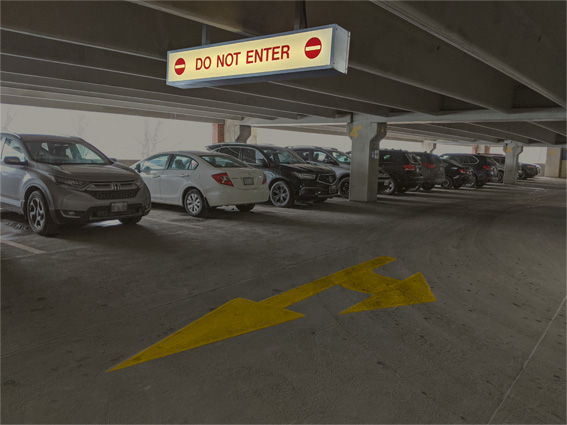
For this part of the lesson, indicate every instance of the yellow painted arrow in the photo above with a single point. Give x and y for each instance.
(240, 316)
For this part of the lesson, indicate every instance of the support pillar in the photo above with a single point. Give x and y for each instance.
(480, 149)
(553, 162)
(512, 151)
(428, 146)
(231, 132)
(365, 137)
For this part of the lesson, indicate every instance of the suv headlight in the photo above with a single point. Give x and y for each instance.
(139, 182)
(303, 176)
(70, 183)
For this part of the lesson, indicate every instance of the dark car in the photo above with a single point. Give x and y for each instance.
(485, 169)
(527, 171)
(403, 168)
(333, 158)
(289, 176)
(456, 175)
(432, 169)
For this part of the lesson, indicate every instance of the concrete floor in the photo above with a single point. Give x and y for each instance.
(491, 349)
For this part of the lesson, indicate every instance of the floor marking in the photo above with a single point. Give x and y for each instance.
(27, 248)
(240, 316)
(193, 226)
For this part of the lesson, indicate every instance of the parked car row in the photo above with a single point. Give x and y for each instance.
(55, 180)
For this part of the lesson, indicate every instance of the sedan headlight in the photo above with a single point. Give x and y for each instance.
(303, 176)
(70, 183)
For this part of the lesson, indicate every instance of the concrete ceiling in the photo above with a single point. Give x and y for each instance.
(471, 72)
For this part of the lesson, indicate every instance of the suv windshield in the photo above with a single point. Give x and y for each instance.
(342, 157)
(67, 152)
(282, 156)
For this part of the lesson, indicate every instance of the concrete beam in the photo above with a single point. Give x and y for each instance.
(516, 38)
(526, 129)
(558, 127)
(480, 132)
(428, 130)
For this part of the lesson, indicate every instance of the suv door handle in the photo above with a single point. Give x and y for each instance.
(184, 175)
(156, 177)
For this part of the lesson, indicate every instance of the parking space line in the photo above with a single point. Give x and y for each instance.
(24, 247)
(193, 226)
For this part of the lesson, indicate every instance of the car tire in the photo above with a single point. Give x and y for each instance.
(131, 220)
(281, 194)
(521, 175)
(473, 182)
(457, 185)
(344, 188)
(402, 189)
(195, 203)
(448, 183)
(245, 207)
(39, 216)
(389, 189)
(427, 186)
(500, 178)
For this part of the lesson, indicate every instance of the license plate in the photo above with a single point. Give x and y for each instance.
(248, 180)
(333, 189)
(118, 206)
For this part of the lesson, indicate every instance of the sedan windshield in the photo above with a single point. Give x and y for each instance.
(282, 156)
(67, 152)
(224, 161)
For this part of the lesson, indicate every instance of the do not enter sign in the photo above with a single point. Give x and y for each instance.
(313, 48)
(179, 66)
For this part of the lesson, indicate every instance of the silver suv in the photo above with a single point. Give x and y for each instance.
(55, 180)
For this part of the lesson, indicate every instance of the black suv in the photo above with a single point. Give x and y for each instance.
(289, 176)
(456, 175)
(404, 170)
(484, 168)
(432, 169)
(329, 157)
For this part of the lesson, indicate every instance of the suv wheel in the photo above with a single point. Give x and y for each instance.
(281, 194)
(500, 178)
(344, 188)
(389, 188)
(473, 181)
(38, 215)
(447, 183)
(427, 186)
(194, 203)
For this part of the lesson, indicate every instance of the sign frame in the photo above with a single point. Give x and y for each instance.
(338, 64)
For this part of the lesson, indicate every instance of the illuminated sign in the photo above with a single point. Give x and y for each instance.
(297, 54)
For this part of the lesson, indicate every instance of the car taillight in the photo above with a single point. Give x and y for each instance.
(409, 167)
(265, 179)
(462, 170)
(430, 166)
(222, 178)
(487, 167)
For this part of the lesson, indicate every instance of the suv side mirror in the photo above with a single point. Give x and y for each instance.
(137, 168)
(14, 160)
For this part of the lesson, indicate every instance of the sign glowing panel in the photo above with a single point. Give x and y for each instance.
(298, 54)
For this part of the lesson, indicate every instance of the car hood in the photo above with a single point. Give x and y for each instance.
(307, 168)
(92, 172)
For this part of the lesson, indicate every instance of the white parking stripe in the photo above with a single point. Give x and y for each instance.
(20, 246)
(193, 226)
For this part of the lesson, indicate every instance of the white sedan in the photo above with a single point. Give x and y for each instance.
(201, 180)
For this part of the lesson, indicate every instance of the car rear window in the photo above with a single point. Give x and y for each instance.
(224, 161)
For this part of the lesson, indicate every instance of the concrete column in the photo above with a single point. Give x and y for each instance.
(365, 137)
(553, 162)
(230, 132)
(428, 146)
(480, 149)
(512, 151)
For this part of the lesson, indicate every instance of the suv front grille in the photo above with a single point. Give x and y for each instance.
(326, 178)
(107, 191)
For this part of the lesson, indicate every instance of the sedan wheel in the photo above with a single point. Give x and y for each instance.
(38, 214)
(281, 195)
(194, 203)
(245, 207)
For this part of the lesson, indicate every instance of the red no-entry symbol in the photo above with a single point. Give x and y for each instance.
(179, 66)
(313, 48)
